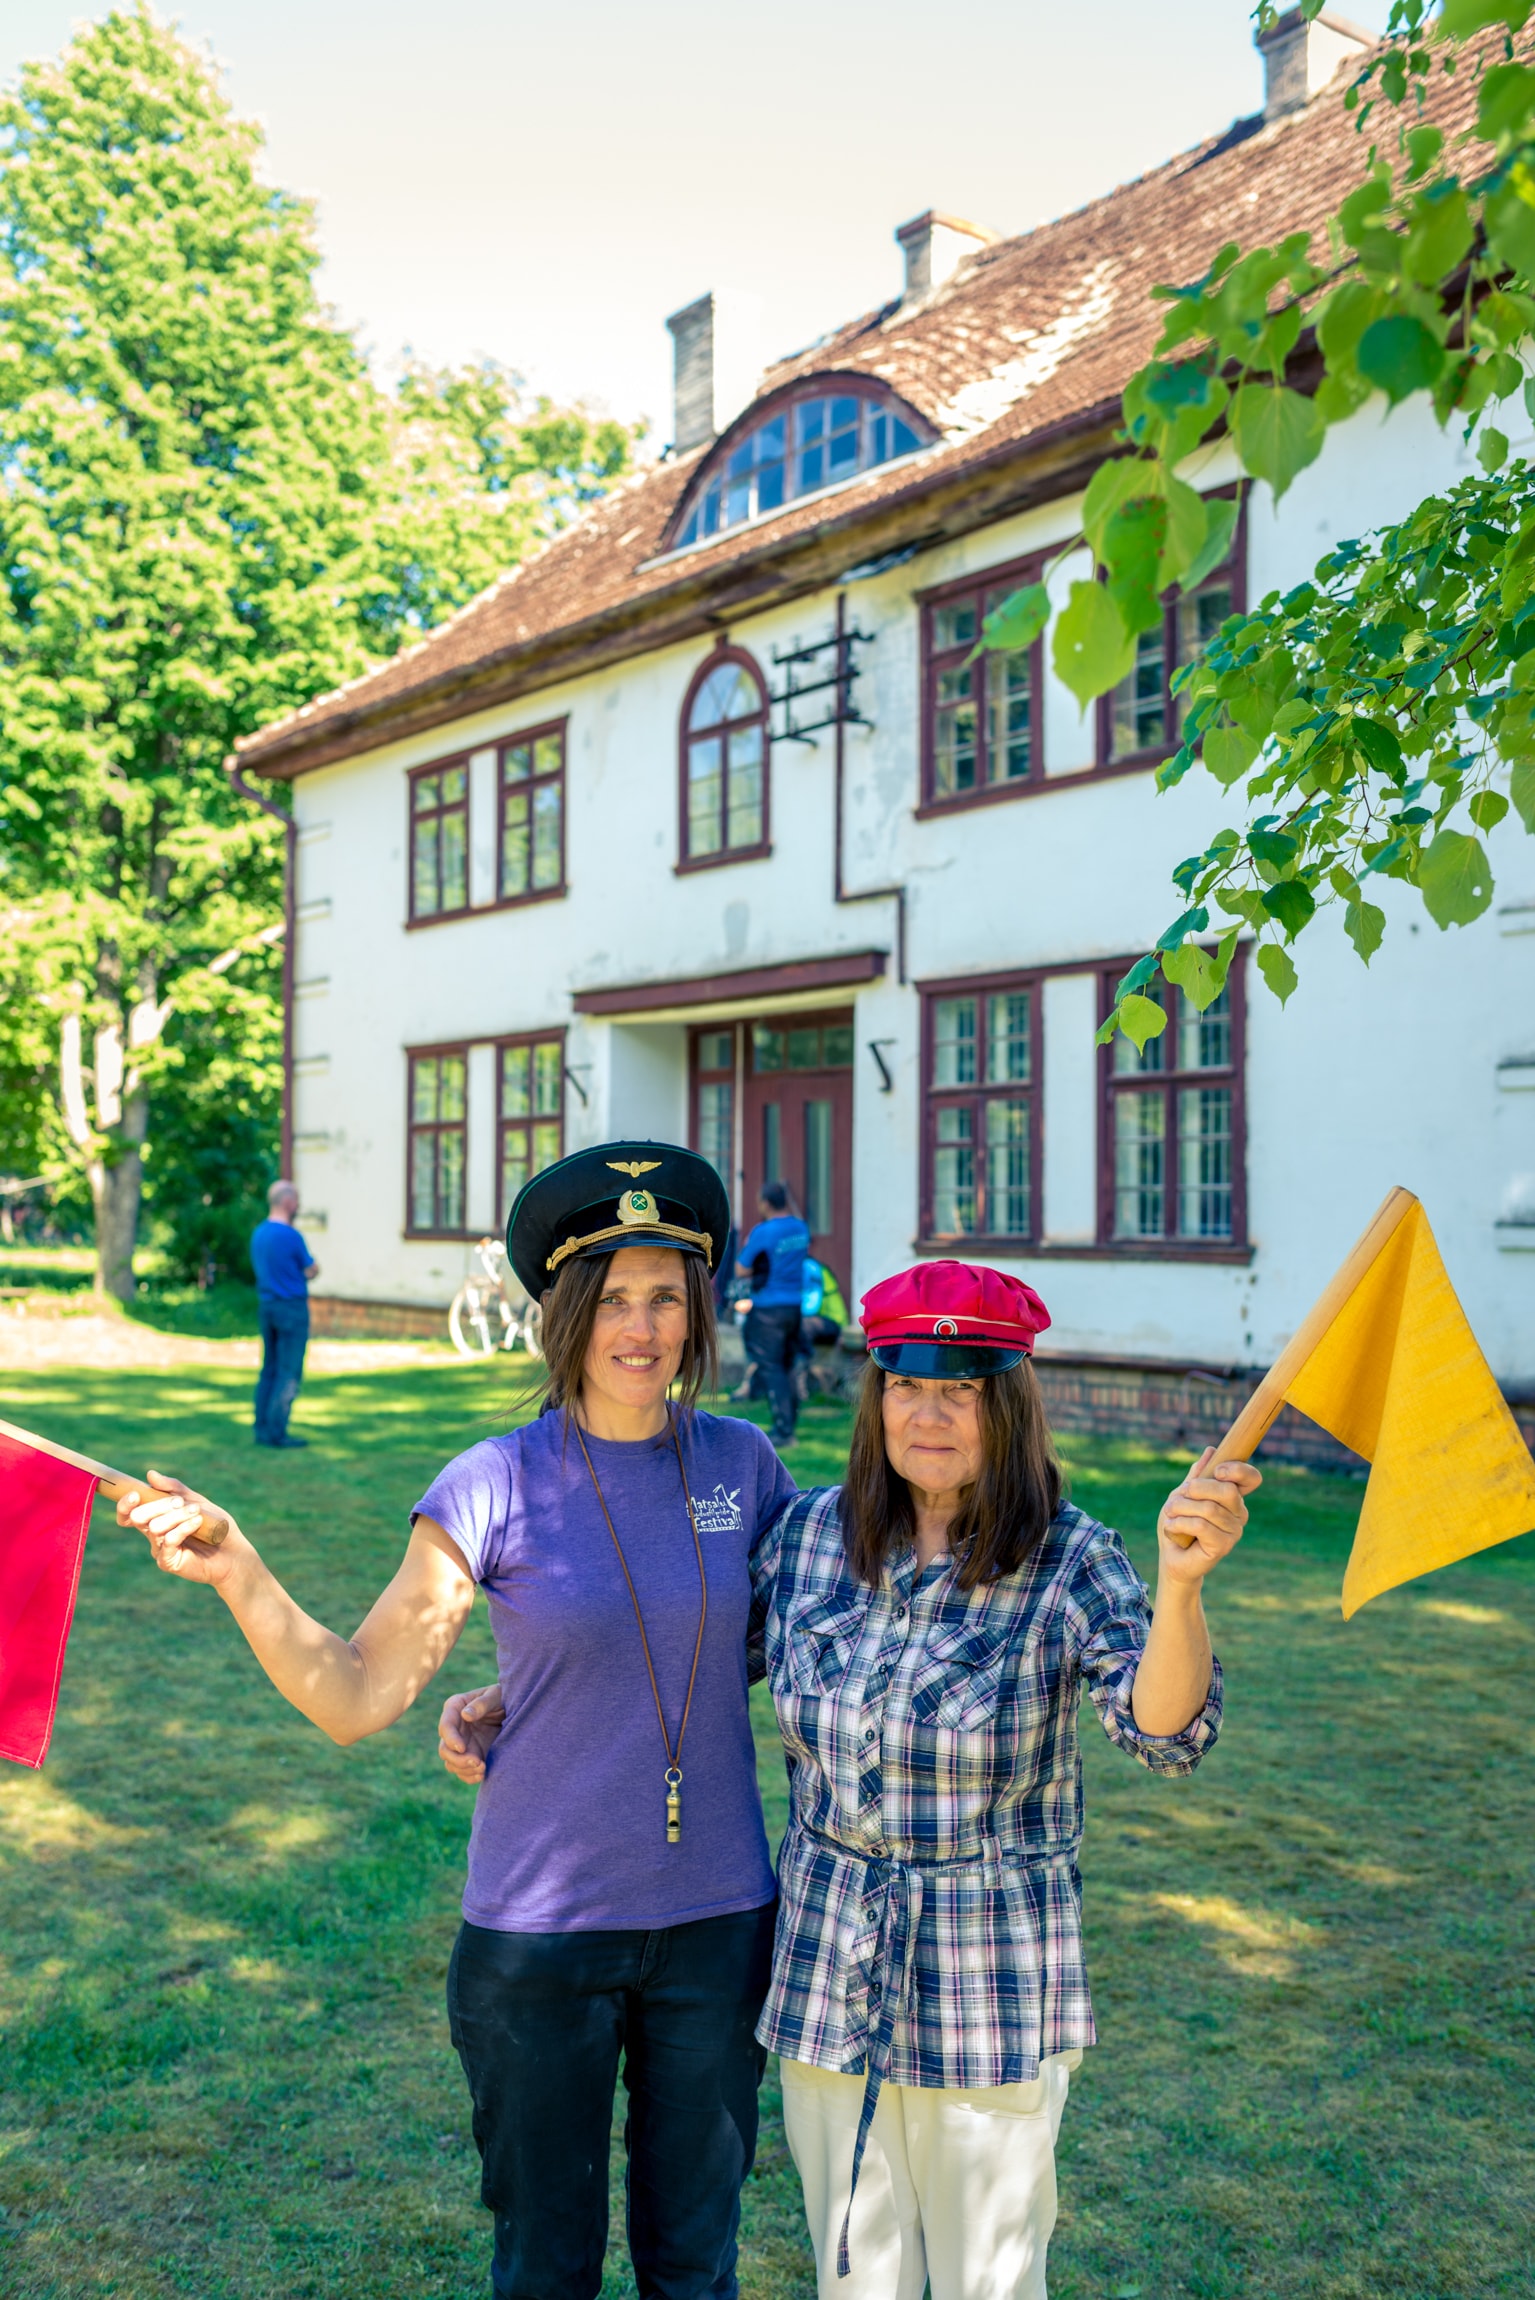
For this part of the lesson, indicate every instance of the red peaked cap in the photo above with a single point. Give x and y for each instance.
(928, 1318)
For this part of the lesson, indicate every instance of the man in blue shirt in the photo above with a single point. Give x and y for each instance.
(773, 1257)
(283, 1268)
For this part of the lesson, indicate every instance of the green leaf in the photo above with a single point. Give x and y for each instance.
(1487, 809)
(1505, 100)
(1132, 555)
(1491, 449)
(1511, 229)
(1278, 970)
(1221, 513)
(1521, 789)
(1361, 210)
(1141, 1019)
(1379, 745)
(1424, 146)
(1017, 623)
(1195, 972)
(1092, 650)
(1454, 879)
(1364, 923)
(1111, 485)
(1344, 317)
(1458, 19)
(1277, 432)
(1186, 534)
(1292, 902)
(1192, 922)
(1439, 234)
(1274, 847)
(1400, 356)
(1228, 752)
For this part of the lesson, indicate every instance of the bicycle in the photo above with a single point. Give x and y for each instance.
(493, 1312)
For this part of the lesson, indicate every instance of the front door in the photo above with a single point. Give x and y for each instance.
(798, 1125)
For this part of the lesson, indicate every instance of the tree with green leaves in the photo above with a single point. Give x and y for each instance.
(1380, 717)
(209, 513)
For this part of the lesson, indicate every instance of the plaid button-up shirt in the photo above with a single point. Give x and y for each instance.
(929, 1927)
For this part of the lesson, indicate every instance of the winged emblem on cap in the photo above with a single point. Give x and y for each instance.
(634, 1167)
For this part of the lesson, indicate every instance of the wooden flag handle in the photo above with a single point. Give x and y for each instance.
(114, 1483)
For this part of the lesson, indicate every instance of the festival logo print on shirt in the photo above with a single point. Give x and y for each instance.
(721, 1513)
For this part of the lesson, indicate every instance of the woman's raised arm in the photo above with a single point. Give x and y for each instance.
(348, 1687)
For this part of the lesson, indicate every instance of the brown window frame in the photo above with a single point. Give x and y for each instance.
(687, 736)
(415, 917)
(712, 475)
(1170, 1245)
(1135, 762)
(935, 1097)
(1012, 575)
(531, 1039)
(732, 1075)
(434, 1127)
(531, 783)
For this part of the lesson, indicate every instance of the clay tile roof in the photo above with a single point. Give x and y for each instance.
(1028, 344)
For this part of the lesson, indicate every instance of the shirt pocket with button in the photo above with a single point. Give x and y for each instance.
(960, 1678)
(820, 1637)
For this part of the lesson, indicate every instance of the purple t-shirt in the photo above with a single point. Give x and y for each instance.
(570, 1822)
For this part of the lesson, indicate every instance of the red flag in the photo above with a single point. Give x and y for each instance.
(45, 1507)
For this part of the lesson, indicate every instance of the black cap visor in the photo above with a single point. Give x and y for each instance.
(946, 1361)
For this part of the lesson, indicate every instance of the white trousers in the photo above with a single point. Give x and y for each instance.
(957, 2189)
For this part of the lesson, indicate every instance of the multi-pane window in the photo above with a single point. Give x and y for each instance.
(439, 840)
(1173, 1144)
(982, 1061)
(437, 1141)
(724, 762)
(714, 1120)
(530, 1104)
(1142, 714)
(806, 444)
(533, 814)
(982, 718)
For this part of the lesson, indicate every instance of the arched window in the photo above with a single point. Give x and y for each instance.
(725, 761)
(823, 431)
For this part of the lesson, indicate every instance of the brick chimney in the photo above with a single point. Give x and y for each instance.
(1299, 58)
(933, 245)
(716, 362)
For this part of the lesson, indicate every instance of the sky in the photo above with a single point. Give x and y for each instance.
(543, 185)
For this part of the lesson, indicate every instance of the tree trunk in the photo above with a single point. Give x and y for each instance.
(115, 1191)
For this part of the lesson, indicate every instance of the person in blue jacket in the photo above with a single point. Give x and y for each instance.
(773, 1257)
(284, 1266)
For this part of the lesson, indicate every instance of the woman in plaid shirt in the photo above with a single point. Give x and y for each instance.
(927, 1628)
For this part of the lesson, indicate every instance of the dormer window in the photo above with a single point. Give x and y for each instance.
(813, 438)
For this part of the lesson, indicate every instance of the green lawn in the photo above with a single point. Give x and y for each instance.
(224, 2068)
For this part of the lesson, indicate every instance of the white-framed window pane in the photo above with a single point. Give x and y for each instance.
(1140, 1161)
(1204, 1040)
(954, 1050)
(1007, 1168)
(744, 792)
(1010, 732)
(517, 762)
(1008, 1049)
(956, 625)
(548, 802)
(705, 782)
(1138, 711)
(515, 852)
(954, 1171)
(1204, 1162)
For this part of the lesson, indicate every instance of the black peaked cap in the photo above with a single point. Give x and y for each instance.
(618, 1194)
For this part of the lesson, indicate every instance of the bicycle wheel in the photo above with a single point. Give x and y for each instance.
(469, 1321)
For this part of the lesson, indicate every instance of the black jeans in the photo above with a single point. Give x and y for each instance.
(771, 1337)
(284, 1339)
(539, 2021)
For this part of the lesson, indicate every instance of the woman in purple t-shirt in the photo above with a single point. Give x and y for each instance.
(619, 1901)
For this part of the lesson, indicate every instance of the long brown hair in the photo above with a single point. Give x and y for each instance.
(570, 1312)
(1004, 1516)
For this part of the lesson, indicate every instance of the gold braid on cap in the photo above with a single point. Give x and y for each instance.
(634, 1232)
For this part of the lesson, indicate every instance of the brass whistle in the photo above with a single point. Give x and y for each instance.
(673, 1807)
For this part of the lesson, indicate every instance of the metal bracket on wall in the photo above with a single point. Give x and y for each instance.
(570, 1073)
(834, 678)
(881, 1065)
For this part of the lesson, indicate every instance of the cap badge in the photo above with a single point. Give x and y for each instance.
(945, 1329)
(634, 1167)
(637, 1205)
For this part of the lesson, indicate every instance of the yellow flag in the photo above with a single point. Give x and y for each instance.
(1397, 1375)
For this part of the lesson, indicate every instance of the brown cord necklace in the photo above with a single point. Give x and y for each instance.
(673, 1756)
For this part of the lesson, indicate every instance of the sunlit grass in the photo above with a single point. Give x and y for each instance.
(224, 2068)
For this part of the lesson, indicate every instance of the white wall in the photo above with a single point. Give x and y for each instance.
(1365, 1079)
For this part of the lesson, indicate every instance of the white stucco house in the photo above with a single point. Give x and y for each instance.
(702, 825)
